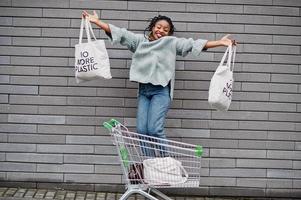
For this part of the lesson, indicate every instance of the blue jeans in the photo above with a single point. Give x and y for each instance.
(153, 105)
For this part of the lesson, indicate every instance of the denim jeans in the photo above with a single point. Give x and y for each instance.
(153, 105)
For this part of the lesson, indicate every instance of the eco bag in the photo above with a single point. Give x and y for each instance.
(221, 84)
(91, 58)
(164, 171)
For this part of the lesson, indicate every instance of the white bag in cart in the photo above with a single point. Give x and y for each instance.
(91, 58)
(221, 84)
(164, 171)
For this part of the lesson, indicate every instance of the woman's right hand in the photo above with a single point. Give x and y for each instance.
(92, 18)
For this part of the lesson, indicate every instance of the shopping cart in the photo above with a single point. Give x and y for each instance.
(149, 163)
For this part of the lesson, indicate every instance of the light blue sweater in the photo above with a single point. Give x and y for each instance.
(154, 61)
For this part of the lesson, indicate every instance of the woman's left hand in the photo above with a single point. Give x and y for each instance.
(225, 41)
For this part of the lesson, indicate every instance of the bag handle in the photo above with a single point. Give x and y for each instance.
(230, 52)
(85, 24)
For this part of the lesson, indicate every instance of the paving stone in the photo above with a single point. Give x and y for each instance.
(91, 196)
(100, 196)
(10, 192)
(30, 193)
(40, 194)
(20, 193)
(60, 195)
(50, 194)
(111, 196)
(2, 191)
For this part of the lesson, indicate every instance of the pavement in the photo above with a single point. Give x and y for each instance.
(11, 193)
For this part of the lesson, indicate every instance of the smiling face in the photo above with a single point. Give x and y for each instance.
(161, 29)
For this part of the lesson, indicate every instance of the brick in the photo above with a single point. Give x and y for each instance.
(21, 12)
(279, 183)
(221, 163)
(8, 147)
(244, 19)
(113, 92)
(237, 153)
(291, 98)
(38, 80)
(213, 143)
(6, 21)
(270, 68)
(286, 39)
(191, 114)
(249, 144)
(238, 134)
(286, 78)
(44, 148)
(156, 6)
(67, 91)
(57, 71)
(251, 182)
(280, 30)
(217, 181)
(189, 133)
(296, 183)
(62, 32)
(37, 100)
(256, 2)
(236, 115)
(16, 31)
(3, 98)
(291, 117)
(5, 3)
(287, 59)
(66, 130)
(35, 138)
(4, 108)
(4, 118)
(22, 51)
(273, 49)
(195, 124)
(238, 172)
(5, 40)
(276, 135)
(41, 22)
(100, 140)
(268, 106)
(34, 157)
(215, 8)
(40, 3)
(117, 83)
(294, 21)
(260, 163)
(18, 128)
(195, 104)
(34, 61)
(60, 52)
(2, 156)
(39, 119)
(92, 178)
(4, 79)
(40, 41)
(119, 5)
(65, 168)
(287, 3)
(4, 59)
(252, 125)
(192, 17)
(40, 177)
(66, 110)
(96, 101)
(10, 167)
(282, 173)
(108, 169)
(77, 120)
(220, 28)
(262, 58)
(286, 155)
(280, 145)
(19, 89)
(271, 10)
(19, 70)
(92, 159)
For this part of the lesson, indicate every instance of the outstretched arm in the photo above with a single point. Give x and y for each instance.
(225, 41)
(95, 20)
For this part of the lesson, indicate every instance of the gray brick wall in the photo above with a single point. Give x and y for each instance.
(50, 134)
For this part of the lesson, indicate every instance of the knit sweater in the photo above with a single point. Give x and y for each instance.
(154, 61)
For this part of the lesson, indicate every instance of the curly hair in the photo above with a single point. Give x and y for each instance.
(155, 19)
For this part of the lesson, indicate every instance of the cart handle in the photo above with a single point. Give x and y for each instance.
(198, 150)
(110, 124)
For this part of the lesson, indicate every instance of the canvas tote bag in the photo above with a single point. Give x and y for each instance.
(91, 58)
(221, 84)
(164, 171)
